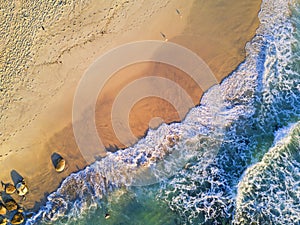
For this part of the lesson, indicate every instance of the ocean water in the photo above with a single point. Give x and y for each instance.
(236, 156)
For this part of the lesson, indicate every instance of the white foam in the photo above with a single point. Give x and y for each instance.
(200, 135)
(250, 93)
(271, 187)
(281, 135)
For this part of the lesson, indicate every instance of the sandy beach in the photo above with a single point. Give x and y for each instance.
(42, 62)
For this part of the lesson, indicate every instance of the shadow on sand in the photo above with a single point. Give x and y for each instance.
(16, 177)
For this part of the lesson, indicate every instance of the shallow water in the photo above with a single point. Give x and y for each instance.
(235, 160)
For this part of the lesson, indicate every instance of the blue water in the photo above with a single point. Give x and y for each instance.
(236, 158)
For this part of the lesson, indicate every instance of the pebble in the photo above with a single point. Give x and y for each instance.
(17, 218)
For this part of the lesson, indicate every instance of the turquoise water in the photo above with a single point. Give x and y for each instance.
(237, 160)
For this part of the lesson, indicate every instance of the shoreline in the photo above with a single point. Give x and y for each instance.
(61, 138)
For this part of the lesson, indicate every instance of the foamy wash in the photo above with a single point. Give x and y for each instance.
(240, 150)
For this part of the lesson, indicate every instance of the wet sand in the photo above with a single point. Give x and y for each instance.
(37, 105)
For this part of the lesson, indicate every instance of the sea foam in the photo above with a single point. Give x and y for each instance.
(217, 141)
(261, 96)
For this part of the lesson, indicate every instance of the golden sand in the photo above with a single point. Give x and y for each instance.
(43, 61)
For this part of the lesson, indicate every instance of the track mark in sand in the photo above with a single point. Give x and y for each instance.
(42, 25)
(11, 151)
(20, 24)
(72, 27)
(3, 156)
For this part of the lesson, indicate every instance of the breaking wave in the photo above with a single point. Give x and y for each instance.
(198, 164)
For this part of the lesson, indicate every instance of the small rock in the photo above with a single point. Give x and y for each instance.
(8, 188)
(58, 162)
(107, 216)
(3, 220)
(11, 205)
(60, 166)
(171, 142)
(2, 209)
(18, 218)
(22, 189)
(176, 137)
(20, 210)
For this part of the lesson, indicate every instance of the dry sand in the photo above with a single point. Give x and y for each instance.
(46, 49)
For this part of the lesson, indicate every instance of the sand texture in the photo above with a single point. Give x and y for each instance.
(46, 48)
